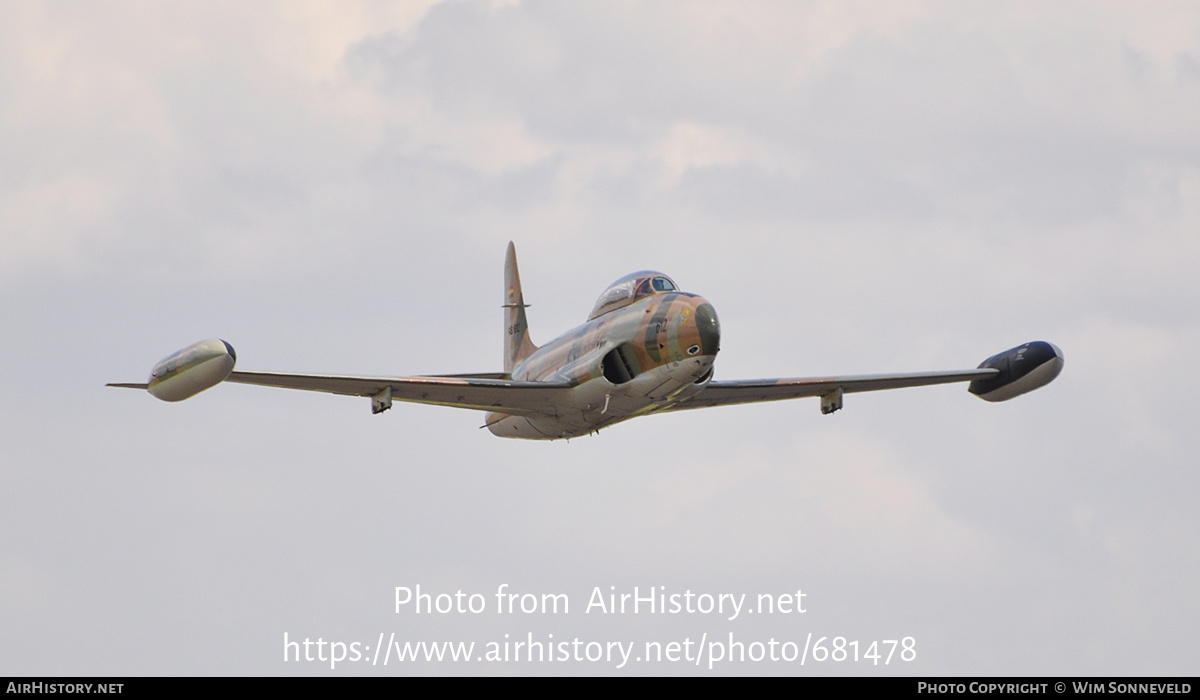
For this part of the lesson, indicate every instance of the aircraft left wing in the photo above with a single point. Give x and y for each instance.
(999, 378)
(830, 389)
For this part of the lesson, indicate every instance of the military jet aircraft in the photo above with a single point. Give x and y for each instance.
(647, 347)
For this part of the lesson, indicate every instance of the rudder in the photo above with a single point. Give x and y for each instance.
(517, 345)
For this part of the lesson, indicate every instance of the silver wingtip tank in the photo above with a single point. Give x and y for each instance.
(192, 370)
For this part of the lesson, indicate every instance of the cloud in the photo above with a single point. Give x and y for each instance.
(856, 187)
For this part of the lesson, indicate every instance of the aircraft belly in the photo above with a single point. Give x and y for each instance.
(599, 403)
(664, 383)
(507, 426)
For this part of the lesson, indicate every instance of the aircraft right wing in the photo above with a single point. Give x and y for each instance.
(480, 392)
(210, 362)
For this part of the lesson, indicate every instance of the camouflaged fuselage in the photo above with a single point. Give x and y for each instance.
(633, 360)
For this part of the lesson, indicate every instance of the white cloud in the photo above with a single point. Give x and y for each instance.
(856, 186)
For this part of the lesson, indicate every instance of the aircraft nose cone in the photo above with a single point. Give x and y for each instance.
(709, 327)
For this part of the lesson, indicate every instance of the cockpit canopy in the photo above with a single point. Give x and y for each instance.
(629, 289)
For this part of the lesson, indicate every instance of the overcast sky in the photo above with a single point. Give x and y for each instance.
(857, 187)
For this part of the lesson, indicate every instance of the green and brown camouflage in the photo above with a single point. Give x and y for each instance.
(643, 340)
(653, 328)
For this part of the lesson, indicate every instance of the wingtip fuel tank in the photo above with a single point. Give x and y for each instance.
(192, 370)
(1020, 370)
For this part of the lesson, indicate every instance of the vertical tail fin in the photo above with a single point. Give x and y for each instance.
(517, 345)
